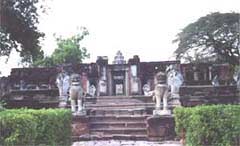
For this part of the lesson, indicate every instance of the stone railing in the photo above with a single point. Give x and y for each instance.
(207, 94)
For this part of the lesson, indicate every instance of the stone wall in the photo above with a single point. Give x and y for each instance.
(32, 98)
(36, 76)
(47, 76)
(197, 95)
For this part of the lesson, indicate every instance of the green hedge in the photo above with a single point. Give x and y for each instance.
(35, 127)
(217, 125)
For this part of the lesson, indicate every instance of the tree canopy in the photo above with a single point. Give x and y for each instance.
(216, 35)
(68, 51)
(18, 28)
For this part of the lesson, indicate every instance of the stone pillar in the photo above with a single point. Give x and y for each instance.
(102, 63)
(135, 87)
(109, 73)
(210, 73)
(126, 82)
(134, 71)
(195, 74)
(205, 74)
(103, 81)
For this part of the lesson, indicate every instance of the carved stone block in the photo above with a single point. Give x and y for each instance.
(161, 127)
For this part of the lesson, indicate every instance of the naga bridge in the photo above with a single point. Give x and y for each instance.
(117, 98)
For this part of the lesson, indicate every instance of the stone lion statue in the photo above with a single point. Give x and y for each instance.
(76, 93)
(161, 91)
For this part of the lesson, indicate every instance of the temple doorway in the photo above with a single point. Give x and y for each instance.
(118, 87)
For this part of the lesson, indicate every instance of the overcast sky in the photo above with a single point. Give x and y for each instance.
(136, 27)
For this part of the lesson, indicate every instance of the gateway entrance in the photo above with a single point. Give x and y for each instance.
(118, 83)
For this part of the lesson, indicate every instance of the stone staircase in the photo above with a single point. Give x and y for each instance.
(119, 117)
(118, 127)
(120, 105)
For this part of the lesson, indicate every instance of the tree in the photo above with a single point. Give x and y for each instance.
(215, 35)
(68, 51)
(18, 28)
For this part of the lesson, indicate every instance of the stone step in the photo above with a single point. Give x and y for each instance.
(124, 106)
(120, 104)
(117, 102)
(124, 97)
(127, 131)
(116, 98)
(122, 101)
(109, 137)
(120, 98)
(118, 118)
(106, 125)
(113, 111)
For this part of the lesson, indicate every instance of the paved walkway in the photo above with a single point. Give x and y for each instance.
(125, 143)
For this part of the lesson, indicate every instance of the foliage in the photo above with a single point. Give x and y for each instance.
(45, 62)
(18, 28)
(35, 127)
(209, 125)
(213, 36)
(68, 51)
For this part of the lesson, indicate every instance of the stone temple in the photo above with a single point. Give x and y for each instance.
(118, 95)
(118, 78)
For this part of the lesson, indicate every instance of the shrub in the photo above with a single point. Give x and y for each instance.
(209, 125)
(35, 127)
(17, 129)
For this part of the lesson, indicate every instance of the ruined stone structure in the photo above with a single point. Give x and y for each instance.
(117, 96)
(120, 78)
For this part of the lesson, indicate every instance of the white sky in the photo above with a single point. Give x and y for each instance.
(136, 27)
